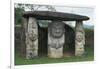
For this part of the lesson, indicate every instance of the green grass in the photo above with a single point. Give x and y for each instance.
(89, 56)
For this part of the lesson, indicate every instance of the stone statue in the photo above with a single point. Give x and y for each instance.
(79, 40)
(55, 39)
(32, 39)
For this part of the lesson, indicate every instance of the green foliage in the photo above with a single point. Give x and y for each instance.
(18, 15)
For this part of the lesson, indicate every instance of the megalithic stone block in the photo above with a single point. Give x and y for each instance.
(56, 39)
(32, 38)
(79, 38)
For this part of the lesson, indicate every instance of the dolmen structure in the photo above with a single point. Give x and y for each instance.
(56, 32)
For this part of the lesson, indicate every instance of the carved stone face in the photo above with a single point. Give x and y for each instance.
(32, 36)
(79, 36)
(57, 29)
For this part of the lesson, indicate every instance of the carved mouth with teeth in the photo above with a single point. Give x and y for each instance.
(56, 46)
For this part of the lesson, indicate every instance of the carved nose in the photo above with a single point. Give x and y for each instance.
(57, 31)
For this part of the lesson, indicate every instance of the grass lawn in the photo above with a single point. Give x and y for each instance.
(89, 56)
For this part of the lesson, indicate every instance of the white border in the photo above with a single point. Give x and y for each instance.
(12, 35)
(45, 2)
(77, 3)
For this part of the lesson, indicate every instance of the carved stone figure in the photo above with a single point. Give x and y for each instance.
(57, 29)
(32, 39)
(79, 39)
(55, 39)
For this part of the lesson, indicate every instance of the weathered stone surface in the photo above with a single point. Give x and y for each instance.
(79, 39)
(56, 39)
(50, 15)
(32, 39)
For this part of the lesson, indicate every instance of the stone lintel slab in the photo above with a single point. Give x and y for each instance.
(50, 15)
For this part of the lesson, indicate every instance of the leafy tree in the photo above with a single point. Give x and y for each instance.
(18, 15)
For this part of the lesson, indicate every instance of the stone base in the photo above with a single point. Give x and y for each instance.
(79, 51)
(31, 54)
(55, 53)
